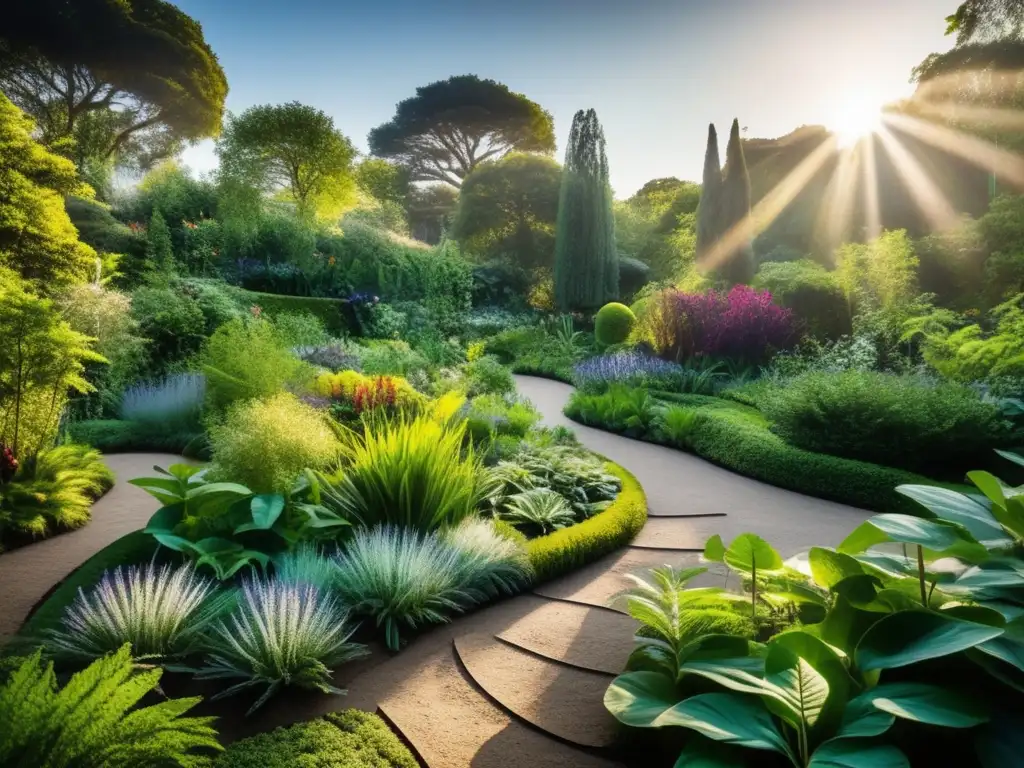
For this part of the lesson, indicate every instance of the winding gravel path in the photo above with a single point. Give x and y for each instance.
(519, 684)
(28, 573)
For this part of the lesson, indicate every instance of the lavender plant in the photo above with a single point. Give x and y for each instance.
(281, 634)
(177, 399)
(161, 611)
(631, 368)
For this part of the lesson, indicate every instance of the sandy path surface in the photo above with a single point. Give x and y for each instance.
(28, 573)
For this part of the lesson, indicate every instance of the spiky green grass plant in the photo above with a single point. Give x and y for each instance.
(413, 472)
(159, 610)
(280, 634)
(404, 578)
(539, 510)
(94, 720)
(306, 564)
(490, 563)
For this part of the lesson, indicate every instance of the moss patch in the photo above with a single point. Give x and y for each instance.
(347, 739)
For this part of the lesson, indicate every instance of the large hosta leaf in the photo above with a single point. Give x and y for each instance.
(940, 537)
(970, 512)
(639, 698)
(862, 719)
(824, 660)
(701, 752)
(908, 637)
(929, 704)
(854, 753)
(804, 689)
(730, 718)
(829, 567)
(265, 509)
(749, 551)
(1009, 646)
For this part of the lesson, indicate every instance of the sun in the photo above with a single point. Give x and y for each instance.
(857, 115)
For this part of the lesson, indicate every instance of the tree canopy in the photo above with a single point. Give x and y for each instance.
(508, 209)
(294, 151)
(37, 239)
(451, 126)
(586, 261)
(108, 81)
(986, 20)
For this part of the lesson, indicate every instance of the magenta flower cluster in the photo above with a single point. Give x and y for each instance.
(741, 325)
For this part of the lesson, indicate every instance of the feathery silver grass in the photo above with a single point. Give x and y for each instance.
(489, 563)
(161, 611)
(306, 564)
(407, 579)
(540, 509)
(280, 634)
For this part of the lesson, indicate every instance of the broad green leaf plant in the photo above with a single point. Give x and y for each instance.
(917, 619)
(227, 527)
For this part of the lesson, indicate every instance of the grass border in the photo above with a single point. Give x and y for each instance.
(570, 548)
(727, 435)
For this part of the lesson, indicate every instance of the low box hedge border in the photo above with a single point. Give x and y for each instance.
(737, 437)
(570, 548)
(350, 738)
(330, 311)
(120, 436)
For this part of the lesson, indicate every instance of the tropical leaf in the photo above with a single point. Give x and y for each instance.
(639, 698)
(908, 637)
(729, 718)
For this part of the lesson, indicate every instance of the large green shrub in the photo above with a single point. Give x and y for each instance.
(172, 321)
(265, 444)
(813, 293)
(613, 324)
(247, 359)
(120, 436)
(900, 421)
(347, 739)
(329, 311)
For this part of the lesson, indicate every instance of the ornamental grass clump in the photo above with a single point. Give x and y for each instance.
(280, 634)
(406, 579)
(412, 472)
(266, 444)
(538, 511)
(629, 368)
(176, 400)
(159, 610)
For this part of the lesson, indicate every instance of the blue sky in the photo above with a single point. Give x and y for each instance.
(656, 71)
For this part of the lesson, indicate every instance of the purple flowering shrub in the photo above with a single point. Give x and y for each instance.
(742, 325)
(632, 368)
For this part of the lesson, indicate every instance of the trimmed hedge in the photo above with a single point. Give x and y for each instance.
(118, 436)
(347, 739)
(131, 549)
(330, 311)
(570, 548)
(737, 437)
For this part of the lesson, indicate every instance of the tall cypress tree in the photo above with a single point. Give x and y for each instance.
(738, 265)
(586, 262)
(708, 210)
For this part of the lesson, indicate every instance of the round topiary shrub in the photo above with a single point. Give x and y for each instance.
(613, 324)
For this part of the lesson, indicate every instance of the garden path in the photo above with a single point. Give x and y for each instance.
(28, 573)
(519, 684)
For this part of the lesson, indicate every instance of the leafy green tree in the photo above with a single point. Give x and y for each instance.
(738, 265)
(159, 250)
(37, 239)
(880, 274)
(508, 209)
(294, 151)
(709, 211)
(586, 261)
(383, 180)
(451, 126)
(125, 81)
(656, 224)
(41, 360)
(979, 20)
(430, 207)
